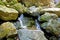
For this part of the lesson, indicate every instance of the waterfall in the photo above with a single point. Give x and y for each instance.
(21, 22)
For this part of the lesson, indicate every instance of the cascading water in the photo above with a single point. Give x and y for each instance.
(21, 22)
(37, 23)
(34, 12)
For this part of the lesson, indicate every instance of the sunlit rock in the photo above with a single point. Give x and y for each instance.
(19, 7)
(30, 3)
(8, 13)
(52, 10)
(48, 16)
(25, 34)
(7, 29)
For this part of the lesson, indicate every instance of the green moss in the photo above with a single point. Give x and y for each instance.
(19, 7)
(48, 16)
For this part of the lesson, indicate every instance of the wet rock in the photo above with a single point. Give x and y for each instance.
(43, 25)
(34, 11)
(25, 34)
(52, 10)
(29, 3)
(7, 29)
(17, 24)
(53, 26)
(48, 16)
(53, 38)
(8, 13)
(20, 8)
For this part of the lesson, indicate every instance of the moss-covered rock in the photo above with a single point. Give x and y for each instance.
(19, 7)
(7, 29)
(52, 26)
(8, 13)
(48, 16)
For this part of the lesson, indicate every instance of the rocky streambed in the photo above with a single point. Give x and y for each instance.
(29, 20)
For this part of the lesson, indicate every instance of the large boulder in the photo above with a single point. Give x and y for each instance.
(52, 26)
(8, 13)
(7, 29)
(29, 3)
(25, 34)
(52, 10)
